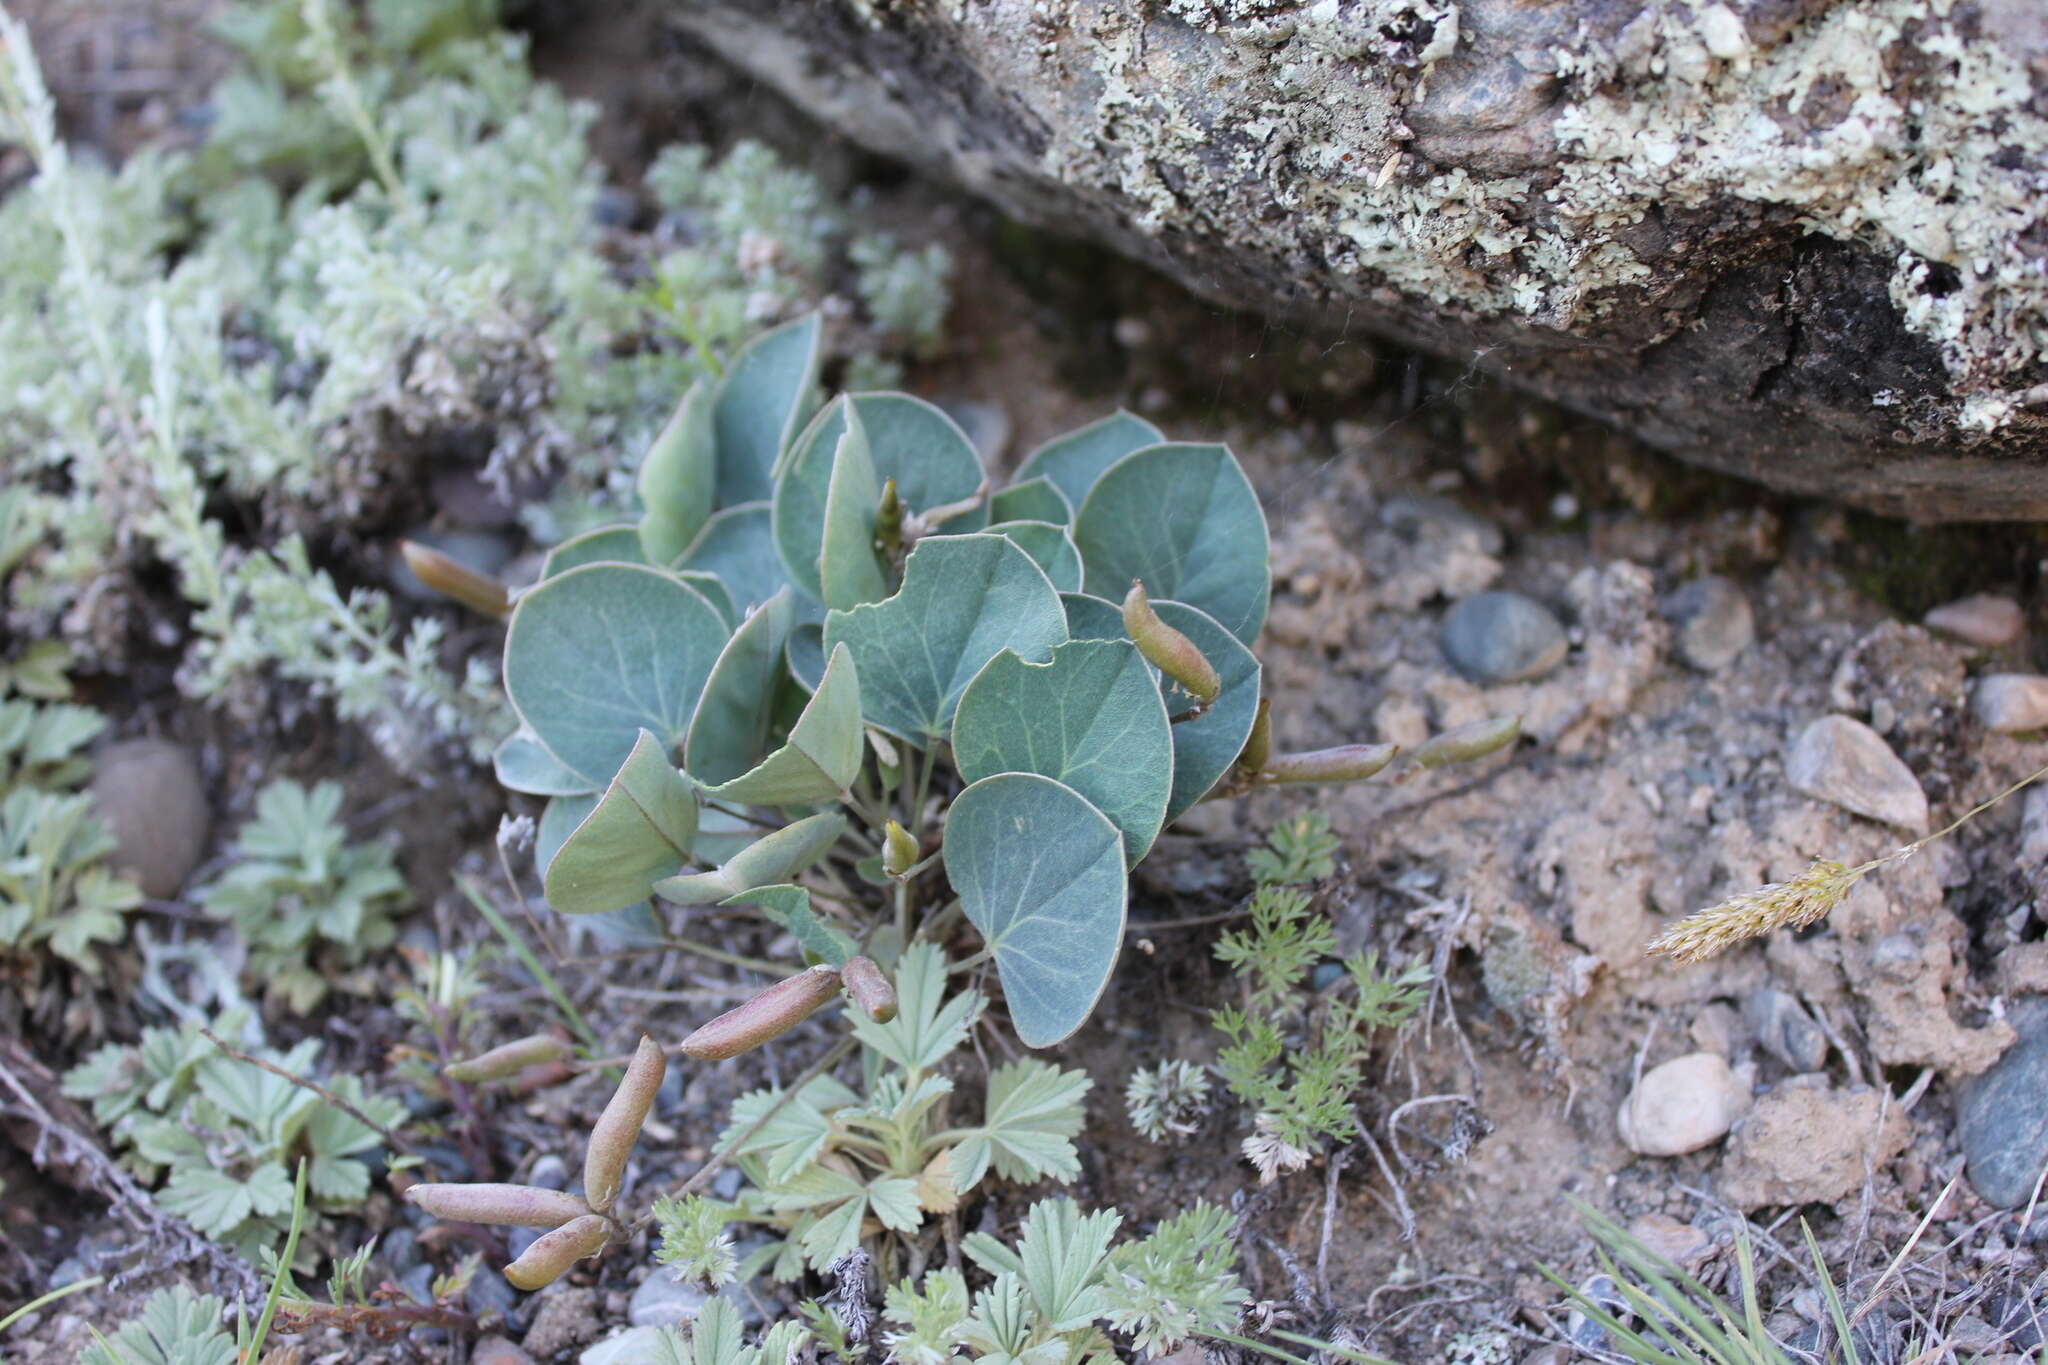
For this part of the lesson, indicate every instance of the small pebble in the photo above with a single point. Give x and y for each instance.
(484, 551)
(550, 1172)
(2010, 703)
(1785, 1030)
(1502, 637)
(1682, 1244)
(418, 1284)
(1410, 514)
(662, 1300)
(401, 1247)
(1983, 619)
(517, 1240)
(151, 796)
(1846, 762)
(1713, 620)
(1682, 1106)
(634, 1346)
(615, 207)
(1585, 1331)
(2003, 1118)
(498, 1351)
(2021, 1321)
(489, 1292)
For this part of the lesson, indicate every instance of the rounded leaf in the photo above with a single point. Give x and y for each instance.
(1184, 519)
(1204, 748)
(1032, 500)
(738, 547)
(1050, 548)
(1073, 462)
(729, 733)
(1091, 618)
(1040, 872)
(605, 545)
(760, 406)
(599, 653)
(524, 764)
(678, 478)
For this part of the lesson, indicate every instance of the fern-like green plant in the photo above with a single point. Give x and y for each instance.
(175, 1327)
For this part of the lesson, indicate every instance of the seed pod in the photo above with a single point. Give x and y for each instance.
(1258, 746)
(516, 1206)
(1167, 650)
(1468, 742)
(452, 578)
(550, 1257)
(899, 850)
(770, 1014)
(509, 1059)
(869, 988)
(1349, 763)
(618, 1127)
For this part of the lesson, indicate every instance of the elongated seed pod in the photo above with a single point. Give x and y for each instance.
(869, 988)
(515, 1206)
(1258, 746)
(899, 850)
(1167, 650)
(550, 1257)
(509, 1059)
(1468, 742)
(452, 578)
(770, 1014)
(1348, 763)
(618, 1127)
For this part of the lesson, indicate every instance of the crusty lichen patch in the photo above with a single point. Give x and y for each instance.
(1526, 162)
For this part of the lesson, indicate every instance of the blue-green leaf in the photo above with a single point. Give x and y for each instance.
(807, 655)
(790, 907)
(1091, 717)
(729, 732)
(524, 764)
(822, 755)
(558, 820)
(847, 567)
(640, 831)
(909, 440)
(773, 858)
(596, 655)
(1091, 618)
(964, 600)
(1184, 519)
(1204, 748)
(1073, 462)
(713, 588)
(1040, 872)
(737, 546)
(760, 407)
(679, 478)
(1050, 548)
(1032, 500)
(605, 545)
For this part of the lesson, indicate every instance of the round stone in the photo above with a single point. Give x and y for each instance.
(1844, 761)
(150, 794)
(2003, 1118)
(1713, 620)
(2011, 703)
(1982, 619)
(1682, 1106)
(1503, 637)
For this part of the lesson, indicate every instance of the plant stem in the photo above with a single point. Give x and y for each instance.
(284, 1268)
(391, 1138)
(55, 1294)
(532, 963)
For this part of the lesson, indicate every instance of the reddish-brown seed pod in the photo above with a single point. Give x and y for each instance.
(452, 578)
(518, 1206)
(869, 988)
(618, 1127)
(509, 1059)
(1348, 763)
(1167, 650)
(550, 1257)
(1468, 742)
(770, 1014)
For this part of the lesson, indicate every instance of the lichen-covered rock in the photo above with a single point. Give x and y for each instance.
(1797, 239)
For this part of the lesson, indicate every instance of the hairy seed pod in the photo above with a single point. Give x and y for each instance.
(515, 1206)
(770, 1014)
(618, 1127)
(1468, 742)
(869, 988)
(1348, 763)
(549, 1258)
(1258, 746)
(452, 578)
(899, 850)
(1167, 650)
(509, 1059)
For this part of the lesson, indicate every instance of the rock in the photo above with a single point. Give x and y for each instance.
(1713, 622)
(417, 1284)
(1502, 637)
(566, 1319)
(2021, 1321)
(1785, 1030)
(1586, 1331)
(662, 1300)
(550, 1172)
(634, 1346)
(1415, 515)
(2011, 703)
(2003, 1118)
(498, 1351)
(1846, 762)
(1343, 166)
(150, 793)
(484, 551)
(1682, 1106)
(1982, 620)
(1682, 1244)
(1808, 1144)
(401, 1248)
(489, 1292)
(1548, 1355)
(1908, 682)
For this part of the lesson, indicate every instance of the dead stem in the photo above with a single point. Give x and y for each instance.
(391, 1139)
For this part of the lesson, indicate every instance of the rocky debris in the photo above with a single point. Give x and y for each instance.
(1982, 619)
(1905, 979)
(2011, 703)
(1908, 683)
(1784, 1029)
(1683, 1105)
(1503, 637)
(566, 1319)
(1809, 1144)
(498, 1351)
(1682, 1244)
(152, 798)
(662, 1300)
(1587, 1332)
(1844, 761)
(2003, 1117)
(1419, 516)
(1713, 622)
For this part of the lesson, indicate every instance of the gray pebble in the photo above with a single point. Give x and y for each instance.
(2003, 1118)
(1982, 619)
(418, 1284)
(2021, 1321)
(662, 1300)
(615, 207)
(1785, 1030)
(550, 1172)
(401, 1248)
(634, 1346)
(1416, 514)
(1502, 637)
(489, 1292)
(517, 1240)
(2011, 703)
(1846, 762)
(1586, 1332)
(1713, 620)
(726, 1184)
(484, 551)
(150, 793)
